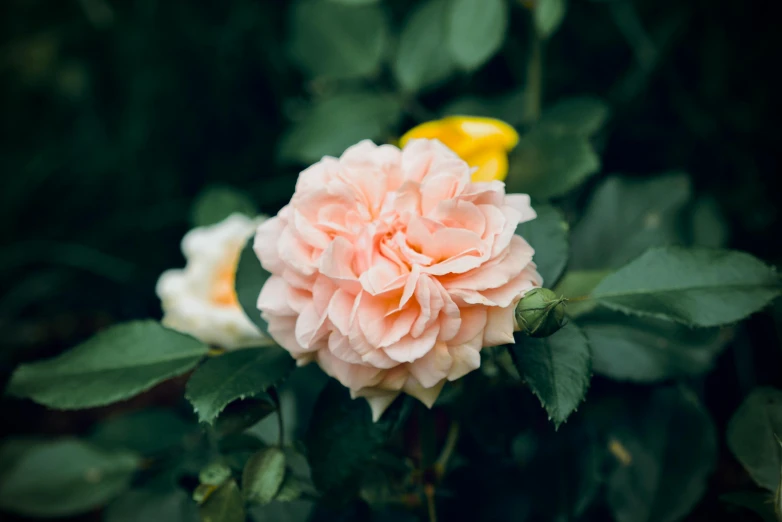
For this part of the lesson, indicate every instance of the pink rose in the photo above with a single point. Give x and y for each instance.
(391, 269)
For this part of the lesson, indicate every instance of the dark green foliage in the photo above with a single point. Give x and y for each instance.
(557, 368)
(126, 123)
(342, 440)
(236, 375)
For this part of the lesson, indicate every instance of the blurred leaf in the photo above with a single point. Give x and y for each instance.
(698, 287)
(557, 368)
(752, 433)
(341, 438)
(563, 471)
(236, 375)
(336, 123)
(548, 16)
(294, 511)
(546, 164)
(778, 492)
(214, 474)
(290, 490)
(354, 2)
(476, 30)
(548, 235)
(115, 364)
(263, 475)
(422, 59)
(216, 203)
(65, 477)
(242, 414)
(147, 432)
(754, 501)
(224, 505)
(250, 278)
(625, 217)
(672, 449)
(651, 350)
(489, 413)
(709, 227)
(237, 448)
(337, 39)
(583, 116)
(145, 505)
(579, 283)
(507, 107)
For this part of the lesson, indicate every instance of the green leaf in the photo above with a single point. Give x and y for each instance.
(583, 116)
(263, 475)
(557, 368)
(249, 280)
(242, 414)
(214, 474)
(548, 16)
(236, 375)
(778, 492)
(237, 448)
(297, 511)
(145, 505)
(672, 448)
(547, 164)
(115, 364)
(506, 107)
(336, 123)
(338, 40)
(64, 478)
(651, 350)
(12, 449)
(216, 203)
(354, 2)
(147, 432)
(290, 490)
(625, 217)
(751, 436)
(698, 287)
(422, 60)
(341, 438)
(476, 30)
(224, 505)
(754, 501)
(579, 283)
(562, 471)
(709, 227)
(548, 235)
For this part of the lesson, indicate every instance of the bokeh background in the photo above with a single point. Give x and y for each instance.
(116, 114)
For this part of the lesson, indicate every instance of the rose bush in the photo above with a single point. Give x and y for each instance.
(391, 269)
(394, 270)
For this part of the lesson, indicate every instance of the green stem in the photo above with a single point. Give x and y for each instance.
(211, 437)
(534, 92)
(430, 503)
(280, 423)
(441, 464)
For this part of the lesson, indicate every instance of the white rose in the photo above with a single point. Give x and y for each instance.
(200, 299)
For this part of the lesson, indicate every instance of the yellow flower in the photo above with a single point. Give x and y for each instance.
(481, 142)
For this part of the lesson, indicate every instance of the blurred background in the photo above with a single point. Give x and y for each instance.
(117, 114)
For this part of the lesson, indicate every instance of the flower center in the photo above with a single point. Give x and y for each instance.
(223, 292)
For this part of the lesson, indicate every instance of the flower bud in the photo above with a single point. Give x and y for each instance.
(540, 313)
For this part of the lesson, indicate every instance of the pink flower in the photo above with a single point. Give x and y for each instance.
(391, 269)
